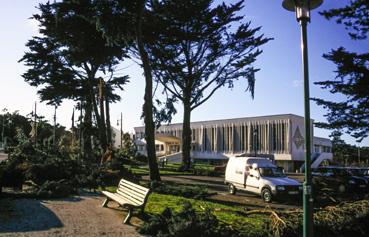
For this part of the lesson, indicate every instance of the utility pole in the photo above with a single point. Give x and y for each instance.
(2, 132)
(302, 10)
(54, 135)
(35, 124)
(121, 130)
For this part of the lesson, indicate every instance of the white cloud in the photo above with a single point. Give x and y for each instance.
(297, 83)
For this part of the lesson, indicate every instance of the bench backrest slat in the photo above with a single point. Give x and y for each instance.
(138, 187)
(134, 189)
(140, 197)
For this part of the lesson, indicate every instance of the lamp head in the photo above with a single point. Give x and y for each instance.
(290, 5)
(301, 7)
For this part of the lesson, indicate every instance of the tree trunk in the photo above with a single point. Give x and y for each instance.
(186, 134)
(108, 126)
(87, 130)
(102, 127)
(147, 108)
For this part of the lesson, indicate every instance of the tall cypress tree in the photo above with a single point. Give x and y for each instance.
(352, 75)
(126, 23)
(66, 58)
(199, 47)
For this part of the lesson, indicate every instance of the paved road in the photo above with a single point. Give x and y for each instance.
(217, 185)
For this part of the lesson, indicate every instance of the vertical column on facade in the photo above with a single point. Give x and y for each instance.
(277, 136)
(232, 137)
(289, 137)
(285, 136)
(249, 137)
(280, 136)
(269, 138)
(244, 138)
(260, 136)
(264, 137)
(258, 147)
(226, 139)
(216, 138)
(264, 143)
(202, 138)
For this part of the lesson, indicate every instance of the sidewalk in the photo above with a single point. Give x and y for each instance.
(77, 216)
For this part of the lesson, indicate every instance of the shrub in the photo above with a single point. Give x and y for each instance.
(185, 223)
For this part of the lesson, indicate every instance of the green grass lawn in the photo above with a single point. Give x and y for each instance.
(170, 169)
(253, 225)
(227, 214)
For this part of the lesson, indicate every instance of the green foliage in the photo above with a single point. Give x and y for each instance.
(353, 16)
(10, 126)
(55, 175)
(129, 149)
(352, 72)
(187, 222)
(187, 191)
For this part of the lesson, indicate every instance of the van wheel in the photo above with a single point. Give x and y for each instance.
(341, 188)
(231, 189)
(266, 195)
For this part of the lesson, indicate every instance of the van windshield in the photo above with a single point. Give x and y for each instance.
(271, 172)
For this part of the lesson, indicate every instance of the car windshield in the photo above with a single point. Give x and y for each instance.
(271, 172)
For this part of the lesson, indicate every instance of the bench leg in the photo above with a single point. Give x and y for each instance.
(128, 217)
(105, 203)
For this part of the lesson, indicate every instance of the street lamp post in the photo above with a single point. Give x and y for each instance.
(302, 9)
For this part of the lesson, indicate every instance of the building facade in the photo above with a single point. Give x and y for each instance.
(279, 137)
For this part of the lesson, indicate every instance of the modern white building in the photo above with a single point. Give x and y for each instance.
(279, 137)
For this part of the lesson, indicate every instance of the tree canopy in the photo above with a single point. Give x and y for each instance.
(352, 75)
(197, 48)
(68, 58)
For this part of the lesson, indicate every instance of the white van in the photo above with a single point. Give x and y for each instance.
(260, 176)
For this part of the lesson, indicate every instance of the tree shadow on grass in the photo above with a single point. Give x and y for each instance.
(24, 215)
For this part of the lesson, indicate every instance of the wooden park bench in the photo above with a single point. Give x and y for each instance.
(129, 196)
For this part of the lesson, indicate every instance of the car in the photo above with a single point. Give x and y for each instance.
(338, 179)
(260, 176)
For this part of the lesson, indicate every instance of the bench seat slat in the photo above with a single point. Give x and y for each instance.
(120, 199)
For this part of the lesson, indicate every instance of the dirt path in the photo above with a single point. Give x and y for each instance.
(78, 216)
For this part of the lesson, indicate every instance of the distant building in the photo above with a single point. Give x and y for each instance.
(279, 137)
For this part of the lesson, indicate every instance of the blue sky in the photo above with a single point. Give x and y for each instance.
(278, 89)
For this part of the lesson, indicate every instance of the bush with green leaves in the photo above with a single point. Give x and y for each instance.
(186, 223)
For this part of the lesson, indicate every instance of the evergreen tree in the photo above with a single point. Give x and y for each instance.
(126, 23)
(352, 75)
(65, 60)
(199, 47)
